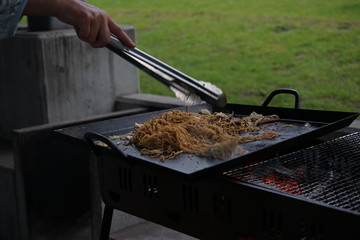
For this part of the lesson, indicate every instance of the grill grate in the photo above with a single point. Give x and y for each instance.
(327, 173)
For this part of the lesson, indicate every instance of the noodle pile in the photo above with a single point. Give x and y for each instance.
(212, 135)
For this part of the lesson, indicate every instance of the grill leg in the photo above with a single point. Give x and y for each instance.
(106, 223)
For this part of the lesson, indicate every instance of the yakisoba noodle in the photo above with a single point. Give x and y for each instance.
(211, 135)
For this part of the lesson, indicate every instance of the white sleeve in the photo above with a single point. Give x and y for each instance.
(10, 14)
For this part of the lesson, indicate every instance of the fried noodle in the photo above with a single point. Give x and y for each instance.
(211, 135)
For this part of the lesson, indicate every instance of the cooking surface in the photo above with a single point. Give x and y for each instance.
(296, 126)
(190, 163)
(327, 173)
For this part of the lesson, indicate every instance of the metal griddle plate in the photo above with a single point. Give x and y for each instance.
(296, 127)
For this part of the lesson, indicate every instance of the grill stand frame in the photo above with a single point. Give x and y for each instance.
(106, 223)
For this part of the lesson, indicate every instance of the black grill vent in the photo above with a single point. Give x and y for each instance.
(125, 179)
(150, 186)
(312, 231)
(272, 220)
(190, 198)
(222, 207)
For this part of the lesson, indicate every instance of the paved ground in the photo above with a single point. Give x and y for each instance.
(149, 231)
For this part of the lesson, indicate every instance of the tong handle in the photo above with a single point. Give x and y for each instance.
(120, 49)
(165, 73)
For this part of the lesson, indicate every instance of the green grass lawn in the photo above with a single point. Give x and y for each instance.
(250, 48)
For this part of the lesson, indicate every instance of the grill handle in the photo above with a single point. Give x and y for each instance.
(283, 91)
(91, 138)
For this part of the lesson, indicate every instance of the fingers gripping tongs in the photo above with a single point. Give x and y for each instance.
(186, 88)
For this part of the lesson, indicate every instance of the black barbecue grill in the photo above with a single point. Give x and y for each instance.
(308, 194)
(272, 191)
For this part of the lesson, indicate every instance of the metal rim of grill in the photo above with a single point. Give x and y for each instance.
(328, 173)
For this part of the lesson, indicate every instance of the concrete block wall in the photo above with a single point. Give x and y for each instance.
(52, 76)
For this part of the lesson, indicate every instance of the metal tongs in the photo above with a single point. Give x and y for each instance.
(186, 88)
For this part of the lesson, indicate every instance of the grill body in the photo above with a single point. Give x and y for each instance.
(249, 201)
(213, 202)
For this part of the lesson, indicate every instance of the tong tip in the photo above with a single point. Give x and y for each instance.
(221, 101)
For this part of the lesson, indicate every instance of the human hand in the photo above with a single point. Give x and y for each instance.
(92, 25)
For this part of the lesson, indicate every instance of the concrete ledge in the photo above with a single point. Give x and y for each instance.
(146, 100)
(355, 124)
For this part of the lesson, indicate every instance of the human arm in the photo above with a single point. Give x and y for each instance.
(92, 25)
